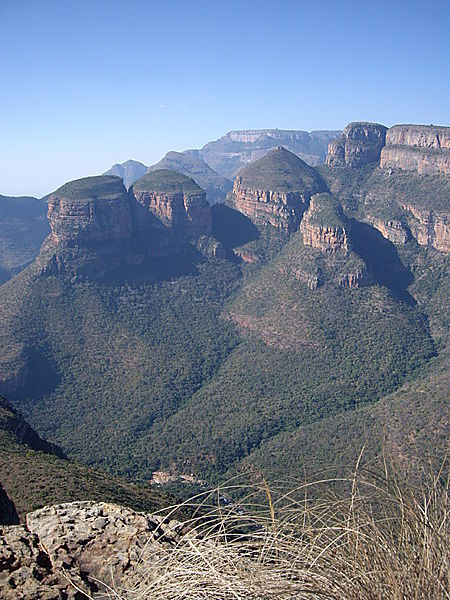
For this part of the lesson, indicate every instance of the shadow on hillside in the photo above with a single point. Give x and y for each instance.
(382, 260)
(231, 227)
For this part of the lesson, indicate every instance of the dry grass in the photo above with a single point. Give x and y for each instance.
(375, 539)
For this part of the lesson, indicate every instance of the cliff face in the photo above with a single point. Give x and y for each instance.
(276, 189)
(177, 202)
(322, 227)
(279, 209)
(421, 148)
(8, 513)
(360, 144)
(429, 228)
(191, 163)
(89, 211)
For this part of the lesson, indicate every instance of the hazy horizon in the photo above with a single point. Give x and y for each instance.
(90, 85)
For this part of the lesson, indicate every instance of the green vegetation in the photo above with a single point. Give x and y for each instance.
(33, 477)
(106, 187)
(165, 180)
(327, 211)
(282, 171)
(23, 228)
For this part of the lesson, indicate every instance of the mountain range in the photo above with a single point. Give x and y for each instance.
(281, 330)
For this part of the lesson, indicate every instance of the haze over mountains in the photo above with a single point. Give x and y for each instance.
(154, 332)
(214, 166)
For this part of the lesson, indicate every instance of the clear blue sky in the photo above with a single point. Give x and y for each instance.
(85, 84)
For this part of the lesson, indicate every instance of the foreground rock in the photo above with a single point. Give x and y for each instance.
(421, 148)
(276, 189)
(360, 144)
(81, 549)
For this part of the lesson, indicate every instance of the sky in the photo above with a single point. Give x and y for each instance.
(86, 84)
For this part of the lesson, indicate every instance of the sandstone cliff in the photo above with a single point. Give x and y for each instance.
(428, 227)
(322, 226)
(276, 189)
(89, 211)
(175, 200)
(421, 148)
(360, 144)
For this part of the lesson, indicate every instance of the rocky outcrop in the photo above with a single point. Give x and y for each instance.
(392, 229)
(276, 189)
(360, 144)
(173, 202)
(89, 211)
(429, 228)
(191, 163)
(421, 148)
(322, 226)
(69, 550)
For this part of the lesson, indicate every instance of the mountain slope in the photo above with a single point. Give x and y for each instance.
(191, 163)
(236, 149)
(23, 228)
(34, 473)
(129, 171)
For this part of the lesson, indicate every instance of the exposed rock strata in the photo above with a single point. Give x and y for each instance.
(360, 144)
(421, 148)
(176, 201)
(392, 229)
(82, 544)
(276, 190)
(89, 211)
(322, 227)
(429, 228)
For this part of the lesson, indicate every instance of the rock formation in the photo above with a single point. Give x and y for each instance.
(89, 211)
(421, 148)
(69, 550)
(322, 226)
(191, 163)
(360, 144)
(429, 227)
(392, 229)
(325, 228)
(276, 189)
(173, 202)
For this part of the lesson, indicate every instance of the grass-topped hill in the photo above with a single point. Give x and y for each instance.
(166, 181)
(106, 187)
(282, 171)
(34, 475)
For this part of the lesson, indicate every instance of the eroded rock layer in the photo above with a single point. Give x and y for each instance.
(360, 144)
(276, 189)
(421, 148)
(176, 201)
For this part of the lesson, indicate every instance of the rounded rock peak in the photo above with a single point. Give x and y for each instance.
(280, 170)
(167, 181)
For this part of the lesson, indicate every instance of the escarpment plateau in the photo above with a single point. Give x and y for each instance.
(421, 148)
(276, 189)
(360, 144)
